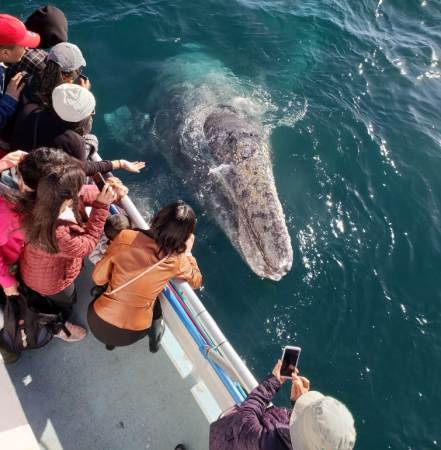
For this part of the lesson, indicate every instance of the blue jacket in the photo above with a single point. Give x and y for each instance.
(8, 105)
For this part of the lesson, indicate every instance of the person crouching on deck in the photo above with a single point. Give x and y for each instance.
(136, 268)
(59, 235)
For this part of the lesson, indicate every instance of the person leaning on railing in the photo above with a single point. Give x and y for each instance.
(134, 271)
(316, 421)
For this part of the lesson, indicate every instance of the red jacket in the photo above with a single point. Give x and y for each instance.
(50, 273)
(11, 242)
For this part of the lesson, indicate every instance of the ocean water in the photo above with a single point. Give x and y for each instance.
(350, 92)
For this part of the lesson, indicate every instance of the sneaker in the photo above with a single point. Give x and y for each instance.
(77, 333)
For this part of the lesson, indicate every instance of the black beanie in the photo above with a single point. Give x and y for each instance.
(50, 23)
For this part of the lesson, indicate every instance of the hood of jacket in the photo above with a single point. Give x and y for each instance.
(50, 23)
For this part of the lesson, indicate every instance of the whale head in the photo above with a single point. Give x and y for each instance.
(246, 201)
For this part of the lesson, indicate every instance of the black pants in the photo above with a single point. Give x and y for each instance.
(110, 335)
(64, 300)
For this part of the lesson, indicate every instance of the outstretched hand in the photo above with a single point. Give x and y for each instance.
(132, 166)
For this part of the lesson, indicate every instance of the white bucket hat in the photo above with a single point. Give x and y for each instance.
(72, 102)
(318, 422)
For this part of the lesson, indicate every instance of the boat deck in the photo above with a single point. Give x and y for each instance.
(80, 396)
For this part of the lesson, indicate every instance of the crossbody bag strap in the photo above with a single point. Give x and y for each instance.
(137, 277)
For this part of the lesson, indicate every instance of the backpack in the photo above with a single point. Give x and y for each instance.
(29, 323)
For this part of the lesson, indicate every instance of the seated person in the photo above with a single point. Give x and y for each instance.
(115, 223)
(14, 39)
(65, 126)
(50, 23)
(316, 421)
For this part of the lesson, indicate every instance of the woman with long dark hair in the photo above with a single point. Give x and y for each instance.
(20, 174)
(59, 235)
(136, 268)
(18, 182)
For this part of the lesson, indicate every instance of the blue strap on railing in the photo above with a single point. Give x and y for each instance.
(113, 209)
(237, 394)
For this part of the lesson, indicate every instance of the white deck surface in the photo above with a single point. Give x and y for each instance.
(82, 397)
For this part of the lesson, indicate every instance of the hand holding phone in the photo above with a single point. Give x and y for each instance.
(290, 358)
(83, 81)
(15, 86)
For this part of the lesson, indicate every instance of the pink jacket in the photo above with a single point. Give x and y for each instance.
(11, 242)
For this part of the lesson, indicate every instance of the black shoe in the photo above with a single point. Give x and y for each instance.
(180, 447)
(9, 357)
(155, 335)
(110, 347)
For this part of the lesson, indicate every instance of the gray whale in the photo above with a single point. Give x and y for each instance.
(221, 152)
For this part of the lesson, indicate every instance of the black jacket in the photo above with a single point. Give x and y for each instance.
(37, 127)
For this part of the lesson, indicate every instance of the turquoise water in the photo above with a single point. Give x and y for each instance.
(350, 92)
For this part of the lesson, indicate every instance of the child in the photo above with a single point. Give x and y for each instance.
(114, 224)
(14, 40)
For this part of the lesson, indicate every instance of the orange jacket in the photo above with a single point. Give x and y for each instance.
(128, 255)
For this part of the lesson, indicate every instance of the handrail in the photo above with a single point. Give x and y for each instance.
(200, 342)
(200, 314)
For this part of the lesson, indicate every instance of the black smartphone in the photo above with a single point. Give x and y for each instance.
(81, 77)
(290, 358)
(99, 181)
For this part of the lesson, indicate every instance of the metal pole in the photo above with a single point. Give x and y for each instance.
(244, 375)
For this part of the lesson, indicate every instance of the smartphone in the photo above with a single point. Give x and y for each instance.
(290, 358)
(81, 77)
(99, 181)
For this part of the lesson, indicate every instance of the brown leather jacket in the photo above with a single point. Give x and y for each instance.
(128, 255)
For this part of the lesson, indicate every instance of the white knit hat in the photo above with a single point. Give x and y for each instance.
(318, 422)
(72, 102)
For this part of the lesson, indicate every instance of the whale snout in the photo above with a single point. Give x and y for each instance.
(265, 243)
(243, 173)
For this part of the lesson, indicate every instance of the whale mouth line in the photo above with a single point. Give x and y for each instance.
(257, 241)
